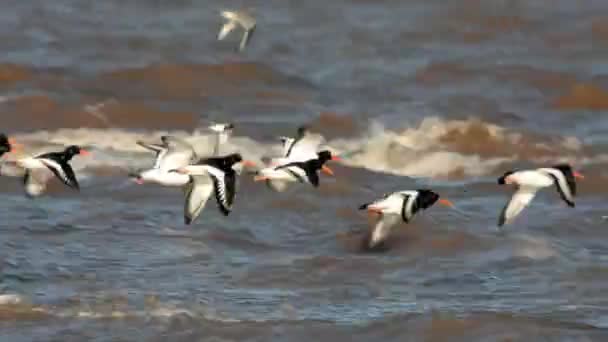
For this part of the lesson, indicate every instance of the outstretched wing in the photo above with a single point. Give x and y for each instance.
(197, 192)
(226, 29)
(300, 169)
(178, 154)
(566, 188)
(246, 38)
(224, 184)
(63, 171)
(520, 199)
(382, 229)
(160, 150)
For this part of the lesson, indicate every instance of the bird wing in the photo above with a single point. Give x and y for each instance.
(382, 229)
(160, 150)
(565, 188)
(300, 171)
(63, 171)
(197, 192)
(224, 184)
(226, 29)
(246, 38)
(35, 181)
(519, 200)
(178, 153)
(408, 206)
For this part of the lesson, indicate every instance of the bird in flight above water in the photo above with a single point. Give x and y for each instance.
(399, 206)
(528, 182)
(39, 170)
(215, 174)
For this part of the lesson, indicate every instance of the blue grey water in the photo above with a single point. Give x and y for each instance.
(413, 94)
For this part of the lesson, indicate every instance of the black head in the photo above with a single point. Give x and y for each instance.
(324, 156)
(74, 150)
(232, 159)
(426, 198)
(302, 130)
(5, 144)
(229, 125)
(501, 180)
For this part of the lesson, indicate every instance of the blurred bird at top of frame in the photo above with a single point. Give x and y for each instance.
(238, 18)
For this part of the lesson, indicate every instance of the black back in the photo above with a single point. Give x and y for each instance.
(224, 163)
(569, 175)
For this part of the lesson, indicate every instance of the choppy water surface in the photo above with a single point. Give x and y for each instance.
(416, 93)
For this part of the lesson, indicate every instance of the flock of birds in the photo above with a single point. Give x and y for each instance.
(177, 165)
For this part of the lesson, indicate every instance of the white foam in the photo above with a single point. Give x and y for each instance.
(414, 151)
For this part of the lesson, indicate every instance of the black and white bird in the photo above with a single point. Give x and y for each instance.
(222, 133)
(7, 144)
(215, 174)
(173, 153)
(235, 19)
(39, 170)
(528, 182)
(396, 207)
(298, 171)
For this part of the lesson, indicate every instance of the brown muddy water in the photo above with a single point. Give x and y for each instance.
(418, 93)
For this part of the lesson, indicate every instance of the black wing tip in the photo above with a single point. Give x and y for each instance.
(363, 206)
(187, 220)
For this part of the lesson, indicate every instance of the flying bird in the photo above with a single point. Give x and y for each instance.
(528, 182)
(40, 169)
(215, 174)
(399, 206)
(235, 19)
(297, 171)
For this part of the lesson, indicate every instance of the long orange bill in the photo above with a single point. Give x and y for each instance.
(578, 175)
(259, 178)
(249, 163)
(84, 152)
(336, 158)
(446, 202)
(327, 170)
(14, 145)
(374, 210)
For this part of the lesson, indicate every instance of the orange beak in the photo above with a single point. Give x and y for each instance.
(249, 163)
(336, 158)
(14, 145)
(259, 178)
(84, 152)
(373, 210)
(578, 175)
(327, 170)
(446, 202)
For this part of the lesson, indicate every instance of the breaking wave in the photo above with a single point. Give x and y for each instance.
(434, 148)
